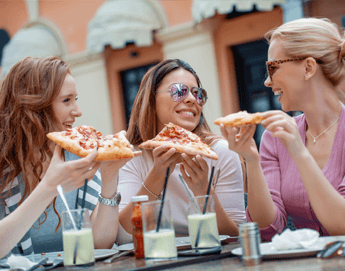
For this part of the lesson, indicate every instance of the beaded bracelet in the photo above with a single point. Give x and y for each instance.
(158, 197)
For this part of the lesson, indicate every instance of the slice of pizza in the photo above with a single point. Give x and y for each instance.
(81, 140)
(240, 118)
(182, 140)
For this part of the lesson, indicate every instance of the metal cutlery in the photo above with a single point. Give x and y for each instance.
(117, 256)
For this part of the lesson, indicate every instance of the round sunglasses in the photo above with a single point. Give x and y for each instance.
(179, 91)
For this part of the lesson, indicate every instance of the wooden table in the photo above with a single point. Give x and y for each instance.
(223, 261)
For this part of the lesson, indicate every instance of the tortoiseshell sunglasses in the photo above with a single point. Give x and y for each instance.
(271, 65)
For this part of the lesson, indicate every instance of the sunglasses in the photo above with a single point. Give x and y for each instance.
(179, 91)
(271, 66)
(332, 249)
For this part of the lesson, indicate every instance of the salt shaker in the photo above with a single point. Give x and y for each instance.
(250, 241)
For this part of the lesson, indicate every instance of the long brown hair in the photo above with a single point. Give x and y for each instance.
(143, 121)
(27, 93)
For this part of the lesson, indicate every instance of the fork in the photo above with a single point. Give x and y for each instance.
(119, 255)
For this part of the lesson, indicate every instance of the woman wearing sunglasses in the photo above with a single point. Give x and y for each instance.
(171, 92)
(302, 167)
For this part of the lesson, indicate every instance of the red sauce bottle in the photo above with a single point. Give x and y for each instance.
(138, 238)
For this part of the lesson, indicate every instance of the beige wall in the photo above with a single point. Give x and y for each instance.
(91, 81)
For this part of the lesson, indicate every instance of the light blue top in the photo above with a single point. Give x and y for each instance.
(45, 239)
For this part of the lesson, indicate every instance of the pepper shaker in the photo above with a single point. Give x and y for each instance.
(250, 241)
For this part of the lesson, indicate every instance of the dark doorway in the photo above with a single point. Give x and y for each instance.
(4, 39)
(250, 67)
(131, 80)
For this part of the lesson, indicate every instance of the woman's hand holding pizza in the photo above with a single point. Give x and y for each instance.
(285, 128)
(241, 141)
(162, 159)
(72, 174)
(195, 173)
(110, 169)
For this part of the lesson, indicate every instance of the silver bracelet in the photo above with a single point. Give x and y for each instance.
(158, 197)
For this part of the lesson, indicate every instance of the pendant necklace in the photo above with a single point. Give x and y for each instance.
(314, 138)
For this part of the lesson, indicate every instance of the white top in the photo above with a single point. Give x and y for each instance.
(229, 188)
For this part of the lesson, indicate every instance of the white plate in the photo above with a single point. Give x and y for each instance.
(179, 241)
(268, 252)
(99, 254)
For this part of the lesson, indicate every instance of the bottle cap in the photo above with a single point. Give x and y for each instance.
(140, 198)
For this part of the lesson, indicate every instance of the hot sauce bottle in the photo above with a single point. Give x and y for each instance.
(138, 238)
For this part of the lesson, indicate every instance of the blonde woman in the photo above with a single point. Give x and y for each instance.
(301, 167)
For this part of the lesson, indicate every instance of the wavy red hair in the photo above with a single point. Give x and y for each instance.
(27, 93)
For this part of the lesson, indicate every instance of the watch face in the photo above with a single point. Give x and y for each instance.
(118, 197)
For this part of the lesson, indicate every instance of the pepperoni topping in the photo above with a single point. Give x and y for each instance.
(89, 138)
(180, 136)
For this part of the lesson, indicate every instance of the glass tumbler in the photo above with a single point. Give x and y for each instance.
(77, 237)
(202, 222)
(159, 241)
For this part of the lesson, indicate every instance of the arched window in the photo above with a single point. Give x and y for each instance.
(37, 39)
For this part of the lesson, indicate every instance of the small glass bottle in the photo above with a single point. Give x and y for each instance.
(138, 238)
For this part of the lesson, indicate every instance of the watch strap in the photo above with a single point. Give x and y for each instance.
(114, 201)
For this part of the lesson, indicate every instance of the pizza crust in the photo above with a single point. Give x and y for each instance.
(103, 153)
(240, 118)
(193, 148)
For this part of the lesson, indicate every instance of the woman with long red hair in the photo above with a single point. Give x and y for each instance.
(39, 96)
(171, 91)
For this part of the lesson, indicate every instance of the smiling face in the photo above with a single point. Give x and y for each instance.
(185, 113)
(65, 105)
(288, 78)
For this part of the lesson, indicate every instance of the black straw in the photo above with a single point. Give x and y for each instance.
(83, 204)
(203, 212)
(208, 190)
(162, 203)
(85, 189)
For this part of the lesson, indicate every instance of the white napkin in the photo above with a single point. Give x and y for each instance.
(17, 261)
(302, 238)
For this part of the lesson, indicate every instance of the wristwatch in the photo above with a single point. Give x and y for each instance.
(115, 201)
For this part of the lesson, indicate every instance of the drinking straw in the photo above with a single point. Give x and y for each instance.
(85, 189)
(60, 190)
(185, 185)
(162, 202)
(190, 196)
(208, 190)
(83, 205)
(203, 212)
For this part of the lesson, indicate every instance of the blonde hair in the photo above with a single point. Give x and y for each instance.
(317, 38)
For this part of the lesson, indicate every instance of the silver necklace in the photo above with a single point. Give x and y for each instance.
(323, 131)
